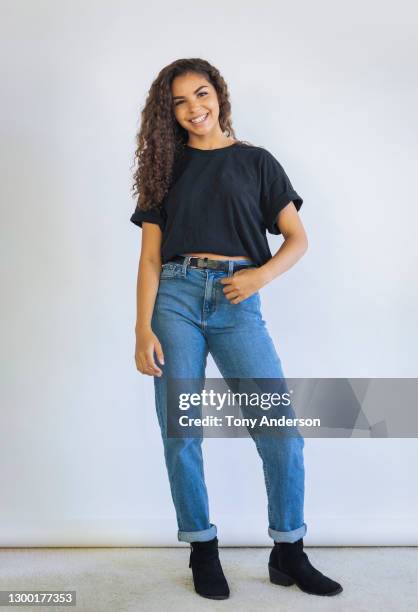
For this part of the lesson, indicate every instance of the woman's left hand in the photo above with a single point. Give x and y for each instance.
(242, 284)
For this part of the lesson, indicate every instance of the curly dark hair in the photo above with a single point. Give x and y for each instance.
(161, 139)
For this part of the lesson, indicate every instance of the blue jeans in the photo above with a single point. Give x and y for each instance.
(191, 317)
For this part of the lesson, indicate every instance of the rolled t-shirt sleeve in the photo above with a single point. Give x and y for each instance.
(276, 193)
(153, 215)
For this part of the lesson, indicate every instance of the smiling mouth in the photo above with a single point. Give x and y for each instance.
(200, 119)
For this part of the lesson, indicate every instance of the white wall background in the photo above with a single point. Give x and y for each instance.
(331, 90)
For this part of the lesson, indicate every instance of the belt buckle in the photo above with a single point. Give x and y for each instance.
(201, 262)
(205, 262)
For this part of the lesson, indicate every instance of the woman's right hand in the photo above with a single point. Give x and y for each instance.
(146, 343)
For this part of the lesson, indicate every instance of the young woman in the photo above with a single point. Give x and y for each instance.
(205, 201)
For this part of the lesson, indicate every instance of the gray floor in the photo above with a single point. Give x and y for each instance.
(137, 579)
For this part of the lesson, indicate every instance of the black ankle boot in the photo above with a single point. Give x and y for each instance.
(288, 564)
(208, 577)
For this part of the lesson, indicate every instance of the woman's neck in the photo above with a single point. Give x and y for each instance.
(210, 141)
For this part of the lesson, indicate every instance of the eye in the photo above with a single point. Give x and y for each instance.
(201, 93)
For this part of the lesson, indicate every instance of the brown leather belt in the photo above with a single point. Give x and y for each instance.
(212, 264)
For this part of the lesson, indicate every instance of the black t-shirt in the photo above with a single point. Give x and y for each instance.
(222, 201)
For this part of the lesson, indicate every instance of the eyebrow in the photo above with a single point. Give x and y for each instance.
(196, 90)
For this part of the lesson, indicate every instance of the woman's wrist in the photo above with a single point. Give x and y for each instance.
(142, 326)
(266, 274)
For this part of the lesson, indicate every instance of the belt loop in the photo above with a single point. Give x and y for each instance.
(230, 267)
(186, 262)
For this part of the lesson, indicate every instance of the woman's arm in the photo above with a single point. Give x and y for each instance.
(244, 283)
(148, 279)
(149, 269)
(294, 246)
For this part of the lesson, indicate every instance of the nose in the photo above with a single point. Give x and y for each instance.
(194, 108)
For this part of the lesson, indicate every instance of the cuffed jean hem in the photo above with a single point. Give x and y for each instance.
(197, 536)
(288, 536)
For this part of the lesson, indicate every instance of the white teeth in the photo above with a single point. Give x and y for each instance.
(199, 119)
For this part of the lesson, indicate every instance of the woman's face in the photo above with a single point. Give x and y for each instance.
(195, 98)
